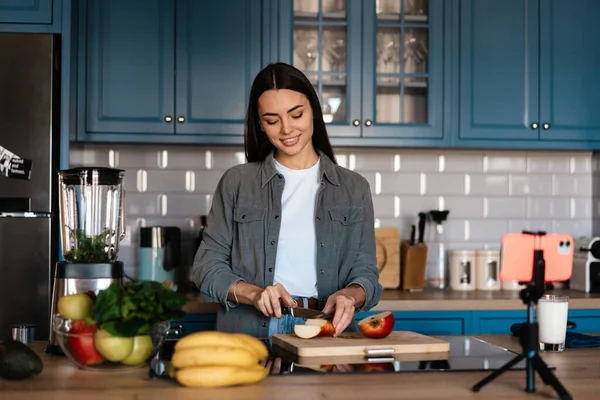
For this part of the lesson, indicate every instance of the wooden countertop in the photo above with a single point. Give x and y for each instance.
(577, 369)
(444, 300)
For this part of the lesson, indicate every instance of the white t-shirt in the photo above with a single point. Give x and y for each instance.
(296, 261)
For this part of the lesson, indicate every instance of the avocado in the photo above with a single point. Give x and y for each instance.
(18, 361)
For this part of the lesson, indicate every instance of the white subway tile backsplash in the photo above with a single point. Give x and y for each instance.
(529, 225)
(368, 161)
(486, 230)
(548, 164)
(488, 193)
(505, 207)
(463, 162)
(464, 207)
(530, 185)
(445, 184)
(400, 183)
(426, 162)
(504, 163)
(576, 228)
(571, 185)
(488, 185)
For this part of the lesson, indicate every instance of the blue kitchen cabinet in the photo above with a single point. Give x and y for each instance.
(35, 16)
(569, 65)
(526, 73)
(429, 322)
(460, 322)
(378, 68)
(126, 68)
(145, 78)
(496, 322)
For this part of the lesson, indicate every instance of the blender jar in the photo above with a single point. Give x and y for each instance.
(92, 220)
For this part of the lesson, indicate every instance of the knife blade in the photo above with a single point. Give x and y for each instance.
(301, 312)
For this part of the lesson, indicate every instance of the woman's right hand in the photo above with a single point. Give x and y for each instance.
(270, 299)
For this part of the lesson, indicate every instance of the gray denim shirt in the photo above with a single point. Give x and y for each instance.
(240, 240)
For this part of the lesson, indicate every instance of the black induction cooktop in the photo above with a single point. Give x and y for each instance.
(466, 353)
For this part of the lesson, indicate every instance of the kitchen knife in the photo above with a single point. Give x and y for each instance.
(422, 219)
(301, 312)
(412, 235)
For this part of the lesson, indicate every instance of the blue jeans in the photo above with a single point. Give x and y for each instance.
(286, 323)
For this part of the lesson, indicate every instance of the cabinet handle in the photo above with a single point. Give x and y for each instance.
(181, 119)
(356, 122)
(534, 125)
(546, 126)
(168, 118)
(368, 122)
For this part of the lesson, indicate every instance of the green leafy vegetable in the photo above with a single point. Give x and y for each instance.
(132, 308)
(89, 248)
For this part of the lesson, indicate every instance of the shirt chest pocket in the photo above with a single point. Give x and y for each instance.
(250, 227)
(347, 226)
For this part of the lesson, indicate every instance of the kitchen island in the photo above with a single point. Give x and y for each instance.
(577, 369)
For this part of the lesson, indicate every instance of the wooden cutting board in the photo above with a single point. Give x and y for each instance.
(354, 343)
(387, 242)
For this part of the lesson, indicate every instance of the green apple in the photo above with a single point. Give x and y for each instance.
(142, 348)
(75, 306)
(113, 348)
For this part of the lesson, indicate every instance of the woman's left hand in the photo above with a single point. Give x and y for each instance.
(341, 305)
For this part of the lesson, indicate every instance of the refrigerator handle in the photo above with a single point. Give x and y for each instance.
(122, 218)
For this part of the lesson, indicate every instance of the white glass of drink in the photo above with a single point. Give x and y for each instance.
(552, 314)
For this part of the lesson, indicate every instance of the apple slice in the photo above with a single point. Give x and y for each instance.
(377, 326)
(307, 331)
(326, 326)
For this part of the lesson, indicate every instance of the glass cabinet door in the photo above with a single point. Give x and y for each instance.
(322, 46)
(402, 67)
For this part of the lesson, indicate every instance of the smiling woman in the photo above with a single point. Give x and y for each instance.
(290, 226)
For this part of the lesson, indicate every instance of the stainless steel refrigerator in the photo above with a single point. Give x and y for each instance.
(29, 128)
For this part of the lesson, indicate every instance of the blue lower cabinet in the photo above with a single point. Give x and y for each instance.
(496, 322)
(429, 322)
(463, 322)
(585, 320)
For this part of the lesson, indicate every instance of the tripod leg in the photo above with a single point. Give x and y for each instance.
(549, 378)
(498, 372)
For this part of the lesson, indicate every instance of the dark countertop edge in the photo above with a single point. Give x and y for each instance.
(394, 300)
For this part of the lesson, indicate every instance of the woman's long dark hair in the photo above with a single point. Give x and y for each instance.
(281, 76)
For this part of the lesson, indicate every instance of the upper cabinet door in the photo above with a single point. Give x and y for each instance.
(498, 69)
(569, 65)
(26, 11)
(403, 51)
(325, 37)
(128, 71)
(218, 55)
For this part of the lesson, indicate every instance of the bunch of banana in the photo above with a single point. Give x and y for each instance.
(215, 359)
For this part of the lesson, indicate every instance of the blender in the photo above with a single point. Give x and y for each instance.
(92, 224)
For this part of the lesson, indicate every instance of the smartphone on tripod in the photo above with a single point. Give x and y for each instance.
(516, 253)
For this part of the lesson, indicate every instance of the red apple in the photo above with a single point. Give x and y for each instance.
(377, 326)
(327, 328)
(307, 331)
(371, 367)
(81, 344)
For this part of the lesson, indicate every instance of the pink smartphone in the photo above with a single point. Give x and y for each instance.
(516, 256)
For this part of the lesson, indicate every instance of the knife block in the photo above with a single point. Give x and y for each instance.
(413, 262)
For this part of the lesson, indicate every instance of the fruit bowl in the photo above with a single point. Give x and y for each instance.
(93, 348)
